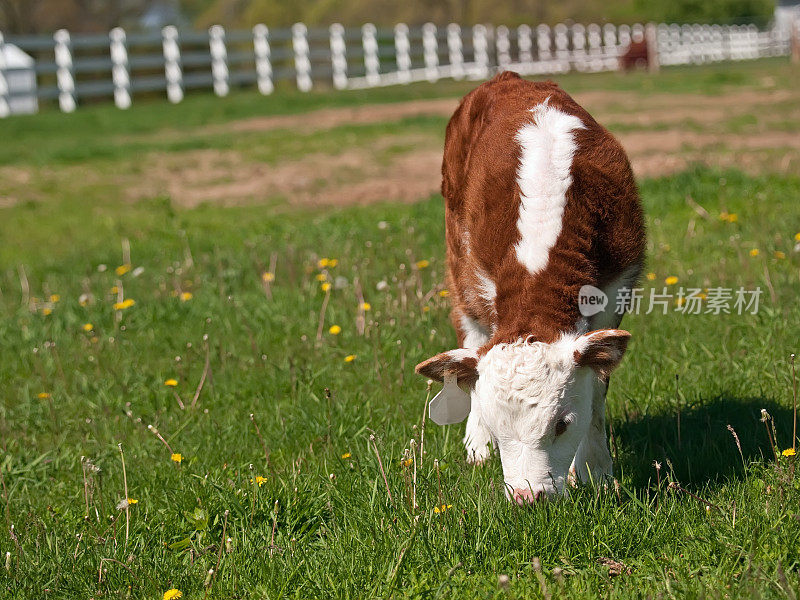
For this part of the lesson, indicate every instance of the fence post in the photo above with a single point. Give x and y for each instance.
(651, 36)
(372, 64)
(503, 46)
(263, 65)
(525, 44)
(219, 59)
(338, 56)
(5, 109)
(119, 68)
(172, 63)
(480, 48)
(562, 46)
(544, 43)
(401, 50)
(430, 48)
(302, 64)
(454, 51)
(64, 76)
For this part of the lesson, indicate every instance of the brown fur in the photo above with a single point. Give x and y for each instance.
(603, 225)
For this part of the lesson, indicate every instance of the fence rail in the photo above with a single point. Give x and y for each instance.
(120, 65)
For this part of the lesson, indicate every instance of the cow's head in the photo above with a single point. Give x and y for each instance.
(536, 400)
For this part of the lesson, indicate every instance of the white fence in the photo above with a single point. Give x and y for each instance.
(71, 69)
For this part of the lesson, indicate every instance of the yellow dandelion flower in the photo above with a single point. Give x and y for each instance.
(186, 296)
(754, 252)
(124, 304)
(671, 280)
(702, 295)
(346, 455)
(444, 293)
(788, 452)
(325, 286)
(171, 382)
(651, 277)
(797, 237)
(365, 306)
(440, 509)
(173, 594)
(335, 330)
(732, 218)
(406, 462)
(114, 289)
(680, 301)
(122, 269)
(43, 395)
(426, 309)
(723, 216)
(321, 277)
(55, 298)
(423, 264)
(176, 457)
(332, 262)
(267, 277)
(132, 501)
(88, 326)
(323, 262)
(259, 480)
(779, 255)
(47, 311)
(349, 358)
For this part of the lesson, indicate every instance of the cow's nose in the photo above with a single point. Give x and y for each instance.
(525, 496)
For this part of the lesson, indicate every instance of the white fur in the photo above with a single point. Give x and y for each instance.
(475, 334)
(477, 437)
(547, 148)
(486, 288)
(522, 391)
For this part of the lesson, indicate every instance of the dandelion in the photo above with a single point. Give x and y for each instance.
(680, 301)
(114, 289)
(84, 299)
(88, 327)
(444, 293)
(173, 594)
(122, 269)
(325, 286)
(671, 280)
(426, 309)
(346, 455)
(171, 382)
(43, 395)
(132, 501)
(733, 218)
(365, 306)
(440, 509)
(788, 452)
(335, 330)
(349, 358)
(55, 298)
(754, 252)
(47, 311)
(124, 304)
(259, 480)
(651, 277)
(322, 263)
(779, 255)
(797, 237)
(186, 296)
(332, 262)
(406, 462)
(321, 277)
(423, 264)
(176, 457)
(267, 277)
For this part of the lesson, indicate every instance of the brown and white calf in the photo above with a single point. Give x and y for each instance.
(540, 201)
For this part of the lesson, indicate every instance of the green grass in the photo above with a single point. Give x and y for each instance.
(320, 525)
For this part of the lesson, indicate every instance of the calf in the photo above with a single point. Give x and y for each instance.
(540, 201)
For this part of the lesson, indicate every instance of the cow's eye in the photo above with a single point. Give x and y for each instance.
(561, 427)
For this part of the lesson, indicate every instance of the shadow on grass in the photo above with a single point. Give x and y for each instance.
(706, 450)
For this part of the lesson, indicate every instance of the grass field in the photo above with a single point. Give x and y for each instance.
(269, 482)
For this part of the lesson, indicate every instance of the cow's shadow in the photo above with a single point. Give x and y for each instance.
(706, 451)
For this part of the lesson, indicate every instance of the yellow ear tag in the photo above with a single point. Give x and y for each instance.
(451, 405)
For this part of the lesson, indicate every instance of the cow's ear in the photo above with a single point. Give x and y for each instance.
(602, 350)
(463, 363)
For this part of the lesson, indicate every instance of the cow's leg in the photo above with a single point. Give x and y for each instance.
(477, 438)
(592, 461)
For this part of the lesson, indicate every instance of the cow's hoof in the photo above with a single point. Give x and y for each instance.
(478, 456)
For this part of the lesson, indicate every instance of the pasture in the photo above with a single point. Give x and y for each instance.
(214, 310)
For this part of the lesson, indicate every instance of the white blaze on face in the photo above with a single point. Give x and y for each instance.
(537, 404)
(547, 147)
